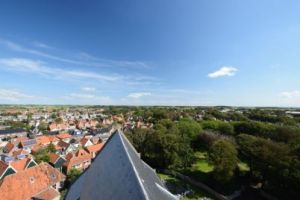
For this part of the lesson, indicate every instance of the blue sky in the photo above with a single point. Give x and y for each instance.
(135, 52)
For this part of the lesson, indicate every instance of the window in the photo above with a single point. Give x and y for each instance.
(31, 179)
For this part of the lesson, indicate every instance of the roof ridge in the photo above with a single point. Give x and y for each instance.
(132, 165)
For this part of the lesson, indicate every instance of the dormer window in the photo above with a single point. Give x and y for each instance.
(31, 179)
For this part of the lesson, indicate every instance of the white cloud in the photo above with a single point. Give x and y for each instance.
(170, 97)
(83, 96)
(85, 59)
(13, 95)
(223, 71)
(41, 45)
(137, 95)
(88, 89)
(88, 99)
(27, 65)
(291, 94)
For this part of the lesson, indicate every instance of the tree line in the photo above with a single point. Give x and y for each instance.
(271, 150)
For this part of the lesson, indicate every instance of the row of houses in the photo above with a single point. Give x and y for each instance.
(66, 146)
(81, 124)
(25, 179)
(18, 168)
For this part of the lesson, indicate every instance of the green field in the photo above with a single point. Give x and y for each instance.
(201, 169)
(201, 163)
(177, 186)
(243, 167)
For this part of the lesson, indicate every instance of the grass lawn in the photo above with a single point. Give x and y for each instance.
(177, 186)
(243, 166)
(201, 163)
(201, 169)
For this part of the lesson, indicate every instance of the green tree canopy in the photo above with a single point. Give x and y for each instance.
(223, 155)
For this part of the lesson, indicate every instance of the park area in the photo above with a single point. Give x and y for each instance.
(202, 171)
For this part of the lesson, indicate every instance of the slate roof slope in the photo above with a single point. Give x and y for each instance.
(118, 173)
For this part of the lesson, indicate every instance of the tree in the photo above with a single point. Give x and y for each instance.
(43, 154)
(254, 128)
(163, 146)
(53, 115)
(226, 128)
(209, 125)
(223, 155)
(43, 126)
(273, 164)
(73, 175)
(59, 120)
(189, 128)
(50, 148)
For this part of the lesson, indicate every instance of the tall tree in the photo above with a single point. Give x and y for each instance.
(223, 155)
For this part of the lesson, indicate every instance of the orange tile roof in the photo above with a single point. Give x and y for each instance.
(96, 140)
(53, 157)
(20, 164)
(94, 148)
(17, 140)
(77, 160)
(3, 167)
(48, 194)
(35, 148)
(20, 152)
(43, 140)
(83, 141)
(52, 138)
(81, 152)
(9, 147)
(63, 144)
(30, 182)
(63, 136)
(69, 156)
(57, 147)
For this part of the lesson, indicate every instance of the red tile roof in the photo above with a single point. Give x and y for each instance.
(20, 165)
(48, 194)
(43, 140)
(3, 167)
(62, 144)
(81, 152)
(52, 138)
(9, 147)
(83, 141)
(17, 140)
(30, 182)
(35, 148)
(94, 148)
(77, 161)
(53, 157)
(69, 156)
(62, 136)
(79, 157)
(96, 140)
(20, 152)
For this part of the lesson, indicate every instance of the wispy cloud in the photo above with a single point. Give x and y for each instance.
(33, 66)
(223, 71)
(83, 96)
(86, 59)
(88, 89)
(137, 95)
(41, 45)
(13, 95)
(90, 99)
(174, 97)
(291, 94)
